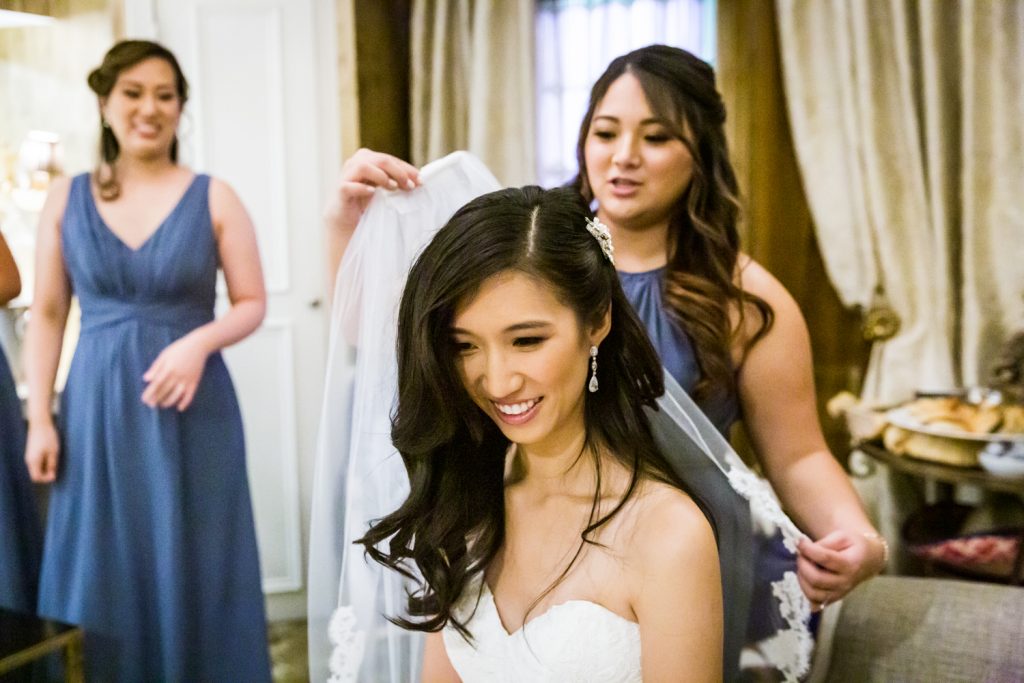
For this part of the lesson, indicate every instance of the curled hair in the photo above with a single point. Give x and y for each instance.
(452, 523)
(700, 282)
(125, 55)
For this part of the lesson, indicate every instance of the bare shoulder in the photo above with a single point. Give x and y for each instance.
(221, 193)
(226, 208)
(788, 324)
(670, 526)
(676, 580)
(56, 202)
(757, 280)
(57, 196)
(61, 186)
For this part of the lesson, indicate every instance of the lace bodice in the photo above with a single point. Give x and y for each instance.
(576, 641)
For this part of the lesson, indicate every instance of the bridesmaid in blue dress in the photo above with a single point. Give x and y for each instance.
(150, 543)
(20, 535)
(653, 157)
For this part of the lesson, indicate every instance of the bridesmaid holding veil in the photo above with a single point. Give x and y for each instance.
(150, 542)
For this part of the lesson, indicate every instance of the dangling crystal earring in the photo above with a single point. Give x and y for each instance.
(593, 370)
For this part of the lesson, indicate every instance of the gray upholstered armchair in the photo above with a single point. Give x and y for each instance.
(914, 630)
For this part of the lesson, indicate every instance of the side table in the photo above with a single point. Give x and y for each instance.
(25, 639)
(952, 475)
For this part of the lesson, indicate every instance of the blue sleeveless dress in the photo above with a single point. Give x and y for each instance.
(150, 542)
(644, 291)
(21, 538)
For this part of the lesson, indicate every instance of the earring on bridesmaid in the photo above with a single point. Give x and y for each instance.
(593, 370)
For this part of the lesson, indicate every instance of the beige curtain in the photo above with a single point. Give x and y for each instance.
(906, 121)
(992, 45)
(473, 83)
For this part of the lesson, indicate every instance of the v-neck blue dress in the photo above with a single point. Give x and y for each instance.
(150, 542)
(21, 538)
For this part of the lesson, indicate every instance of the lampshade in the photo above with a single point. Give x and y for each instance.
(40, 157)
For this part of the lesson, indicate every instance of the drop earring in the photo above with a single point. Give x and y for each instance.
(592, 386)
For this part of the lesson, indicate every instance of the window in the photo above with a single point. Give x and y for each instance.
(576, 39)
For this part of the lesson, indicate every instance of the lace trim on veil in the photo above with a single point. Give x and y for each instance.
(348, 646)
(791, 648)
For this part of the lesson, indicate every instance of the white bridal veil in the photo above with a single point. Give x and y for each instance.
(360, 477)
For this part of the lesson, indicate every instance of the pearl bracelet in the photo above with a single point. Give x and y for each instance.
(885, 544)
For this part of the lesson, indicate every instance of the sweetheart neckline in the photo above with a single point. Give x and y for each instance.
(549, 610)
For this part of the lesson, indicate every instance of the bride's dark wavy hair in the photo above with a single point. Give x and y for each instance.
(452, 524)
(704, 244)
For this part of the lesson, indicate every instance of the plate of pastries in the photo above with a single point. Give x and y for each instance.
(954, 429)
(955, 417)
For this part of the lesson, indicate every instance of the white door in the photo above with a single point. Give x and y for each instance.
(261, 115)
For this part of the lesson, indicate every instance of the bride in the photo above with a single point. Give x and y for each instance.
(547, 535)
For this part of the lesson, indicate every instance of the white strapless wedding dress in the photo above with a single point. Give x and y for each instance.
(576, 641)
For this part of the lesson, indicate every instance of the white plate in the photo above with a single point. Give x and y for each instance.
(1002, 466)
(902, 418)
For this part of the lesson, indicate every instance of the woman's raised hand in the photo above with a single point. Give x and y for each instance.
(361, 174)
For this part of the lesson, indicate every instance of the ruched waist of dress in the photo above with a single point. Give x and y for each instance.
(100, 314)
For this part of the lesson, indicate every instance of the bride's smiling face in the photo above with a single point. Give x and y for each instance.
(524, 360)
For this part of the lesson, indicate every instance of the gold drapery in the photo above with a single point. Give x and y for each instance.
(473, 83)
(905, 115)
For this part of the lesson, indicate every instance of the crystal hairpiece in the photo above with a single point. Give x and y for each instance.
(604, 238)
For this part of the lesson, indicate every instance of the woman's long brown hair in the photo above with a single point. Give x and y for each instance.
(701, 289)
